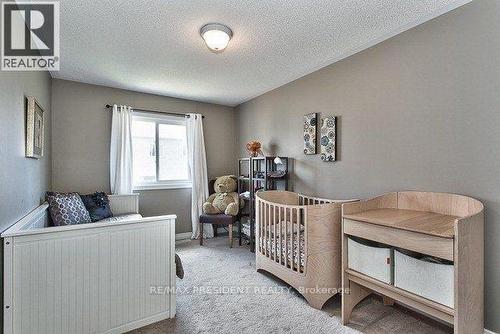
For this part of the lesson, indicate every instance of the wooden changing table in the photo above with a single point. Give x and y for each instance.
(443, 225)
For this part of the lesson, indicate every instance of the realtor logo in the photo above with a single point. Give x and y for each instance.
(30, 36)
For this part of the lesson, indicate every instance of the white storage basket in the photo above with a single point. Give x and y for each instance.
(371, 261)
(433, 281)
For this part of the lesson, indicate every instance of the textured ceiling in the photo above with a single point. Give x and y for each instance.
(154, 46)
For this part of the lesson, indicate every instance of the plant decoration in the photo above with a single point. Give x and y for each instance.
(254, 148)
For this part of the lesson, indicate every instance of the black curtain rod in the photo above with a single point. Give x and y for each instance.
(158, 112)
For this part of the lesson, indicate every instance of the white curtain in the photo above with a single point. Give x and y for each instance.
(120, 155)
(198, 170)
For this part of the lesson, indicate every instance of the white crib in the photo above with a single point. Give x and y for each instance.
(89, 278)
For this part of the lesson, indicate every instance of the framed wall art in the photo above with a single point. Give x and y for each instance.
(34, 128)
(310, 121)
(328, 138)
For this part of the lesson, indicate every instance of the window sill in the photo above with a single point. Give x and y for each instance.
(165, 186)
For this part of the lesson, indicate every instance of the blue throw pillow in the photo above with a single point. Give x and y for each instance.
(97, 204)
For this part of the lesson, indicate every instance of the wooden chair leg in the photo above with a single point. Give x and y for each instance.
(230, 235)
(201, 234)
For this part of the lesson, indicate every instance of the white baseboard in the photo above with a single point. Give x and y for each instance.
(487, 331)
(183, 236)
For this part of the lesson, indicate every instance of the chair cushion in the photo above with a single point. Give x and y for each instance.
(220, 219)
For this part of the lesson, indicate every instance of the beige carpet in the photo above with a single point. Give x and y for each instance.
(222, 293)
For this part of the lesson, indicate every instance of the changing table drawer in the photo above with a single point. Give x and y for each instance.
(417, 242)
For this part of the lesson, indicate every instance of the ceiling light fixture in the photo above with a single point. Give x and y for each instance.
(216, 36)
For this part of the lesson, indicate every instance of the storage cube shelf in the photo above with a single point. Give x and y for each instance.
(445, 226)
(254, 174)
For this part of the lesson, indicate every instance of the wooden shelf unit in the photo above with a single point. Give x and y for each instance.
(248, 181)
(443, 225)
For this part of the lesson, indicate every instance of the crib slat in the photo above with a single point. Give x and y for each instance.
(271, 230)
(264, 239)
(268, 243)
(266, 207)
(258, 221)
(285, 209)
(298, 239)
(297, 223)
(261, 227)
(257, 217)
(271, 235)
(287, 236)
(297, 227)
(268, 230)
(280, 253)
(274, 231)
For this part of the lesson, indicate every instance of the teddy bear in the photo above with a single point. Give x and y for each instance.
(225, 200)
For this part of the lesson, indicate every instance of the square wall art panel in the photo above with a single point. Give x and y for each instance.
(328, 138)
(310, 121)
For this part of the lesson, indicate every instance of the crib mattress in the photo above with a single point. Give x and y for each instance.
(291, 251)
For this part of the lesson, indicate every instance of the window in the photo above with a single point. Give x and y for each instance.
(160, 152)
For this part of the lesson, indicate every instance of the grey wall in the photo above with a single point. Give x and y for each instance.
(23, 181)
(81, 135)
(419, 111)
